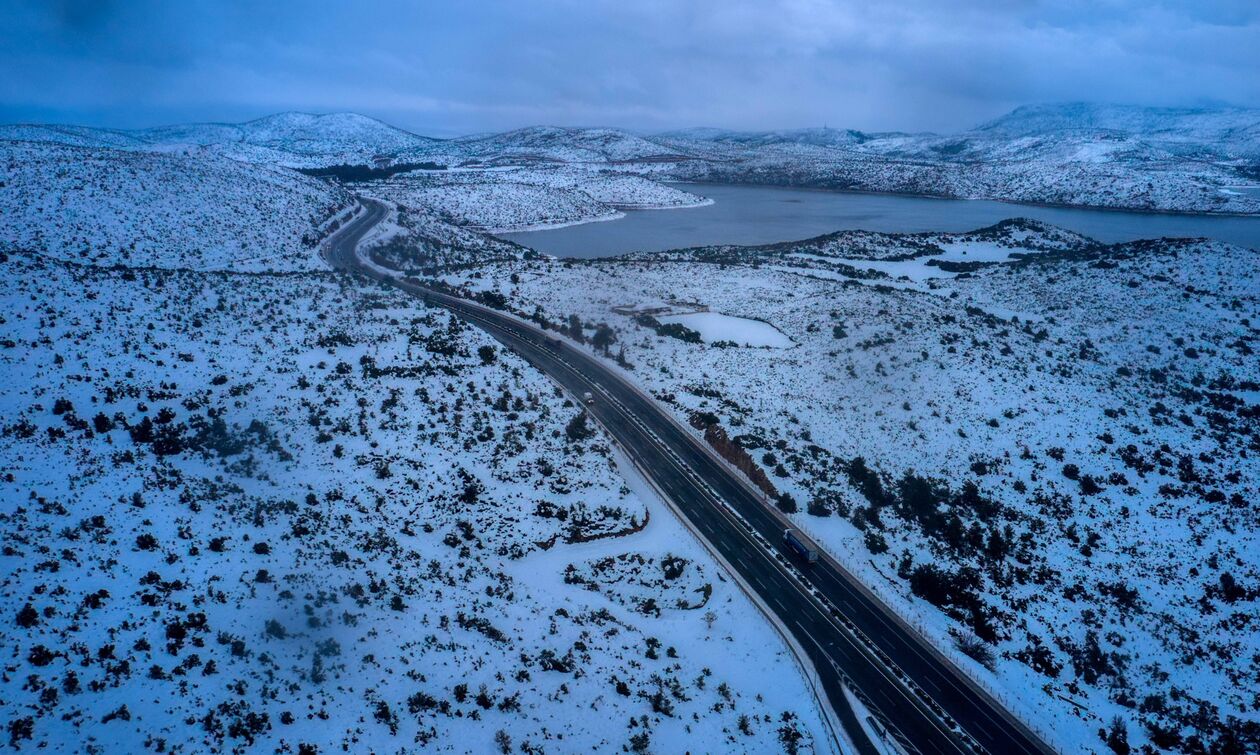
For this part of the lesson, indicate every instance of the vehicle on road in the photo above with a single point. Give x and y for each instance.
(588, 398)
(800, 545)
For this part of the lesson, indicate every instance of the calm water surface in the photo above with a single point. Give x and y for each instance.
(762, 215)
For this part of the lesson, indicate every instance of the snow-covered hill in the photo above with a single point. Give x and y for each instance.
(1093, 155)
(112, 206)
(1138, 158)
(1228, 131)
(507, 199)
(823, 137)
(552, 143)
(301, 513)
(298, 139)
(295, 140)
(75, 136)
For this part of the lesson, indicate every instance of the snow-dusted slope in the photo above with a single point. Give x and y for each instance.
(552, 143)
(498, 200)
(1230, 131)
(298, 139)
(1139, 158)
(1093, 155)
(1079, 170)
(824, 137)
(299, 513)
(422, 242)
(493, 203)
(75, 136)
(146, 209)
(1015, 434)
(295, 140)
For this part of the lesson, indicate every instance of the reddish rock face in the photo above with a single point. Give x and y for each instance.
(715, 435)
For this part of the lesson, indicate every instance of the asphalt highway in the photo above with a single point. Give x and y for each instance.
(852, 639)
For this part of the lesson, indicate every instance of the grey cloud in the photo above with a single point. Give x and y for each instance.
(445, 68)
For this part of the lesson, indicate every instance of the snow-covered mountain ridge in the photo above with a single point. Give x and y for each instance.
(1188, 160)
(286, 139)
(1230, 129)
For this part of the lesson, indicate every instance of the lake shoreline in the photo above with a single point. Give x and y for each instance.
(1015, 202)
(758, 214)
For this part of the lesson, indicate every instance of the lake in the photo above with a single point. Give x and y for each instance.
(762, 215)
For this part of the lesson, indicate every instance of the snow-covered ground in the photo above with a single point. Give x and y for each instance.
(291, 140)
(249, 511)
(715, 327)
(1022, 450)
(109, 206)
(499, 200)
(294, 508)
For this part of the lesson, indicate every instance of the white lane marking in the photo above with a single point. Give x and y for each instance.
(835, 666)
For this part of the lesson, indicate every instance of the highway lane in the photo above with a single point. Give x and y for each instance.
(848, 634)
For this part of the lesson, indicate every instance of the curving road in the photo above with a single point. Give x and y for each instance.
(923, 702)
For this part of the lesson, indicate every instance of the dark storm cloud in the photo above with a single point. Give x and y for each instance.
(453, 67)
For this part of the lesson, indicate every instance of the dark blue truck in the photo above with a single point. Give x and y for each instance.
(800, 545)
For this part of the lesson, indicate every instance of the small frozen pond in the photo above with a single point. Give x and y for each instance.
(918, 269)
(714, 326)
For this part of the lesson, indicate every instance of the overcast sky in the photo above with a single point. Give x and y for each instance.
(444, 68)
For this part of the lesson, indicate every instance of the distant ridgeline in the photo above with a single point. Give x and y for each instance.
(353, 173)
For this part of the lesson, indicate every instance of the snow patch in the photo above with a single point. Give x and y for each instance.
(714, 327)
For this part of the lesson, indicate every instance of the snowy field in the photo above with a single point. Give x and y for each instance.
(362, 526)
(993, 449)
(715, 327)
(251, 504)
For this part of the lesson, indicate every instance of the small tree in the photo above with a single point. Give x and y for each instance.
(577, 429)
(974, 647)
(875, 542)
(640, 742)
(1117, 736)
(604, 338)
(575, 329)
(487, 354)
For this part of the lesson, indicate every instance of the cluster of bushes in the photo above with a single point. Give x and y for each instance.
(206, 433)
(357, 173)
(937, 509)
(671, 329)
